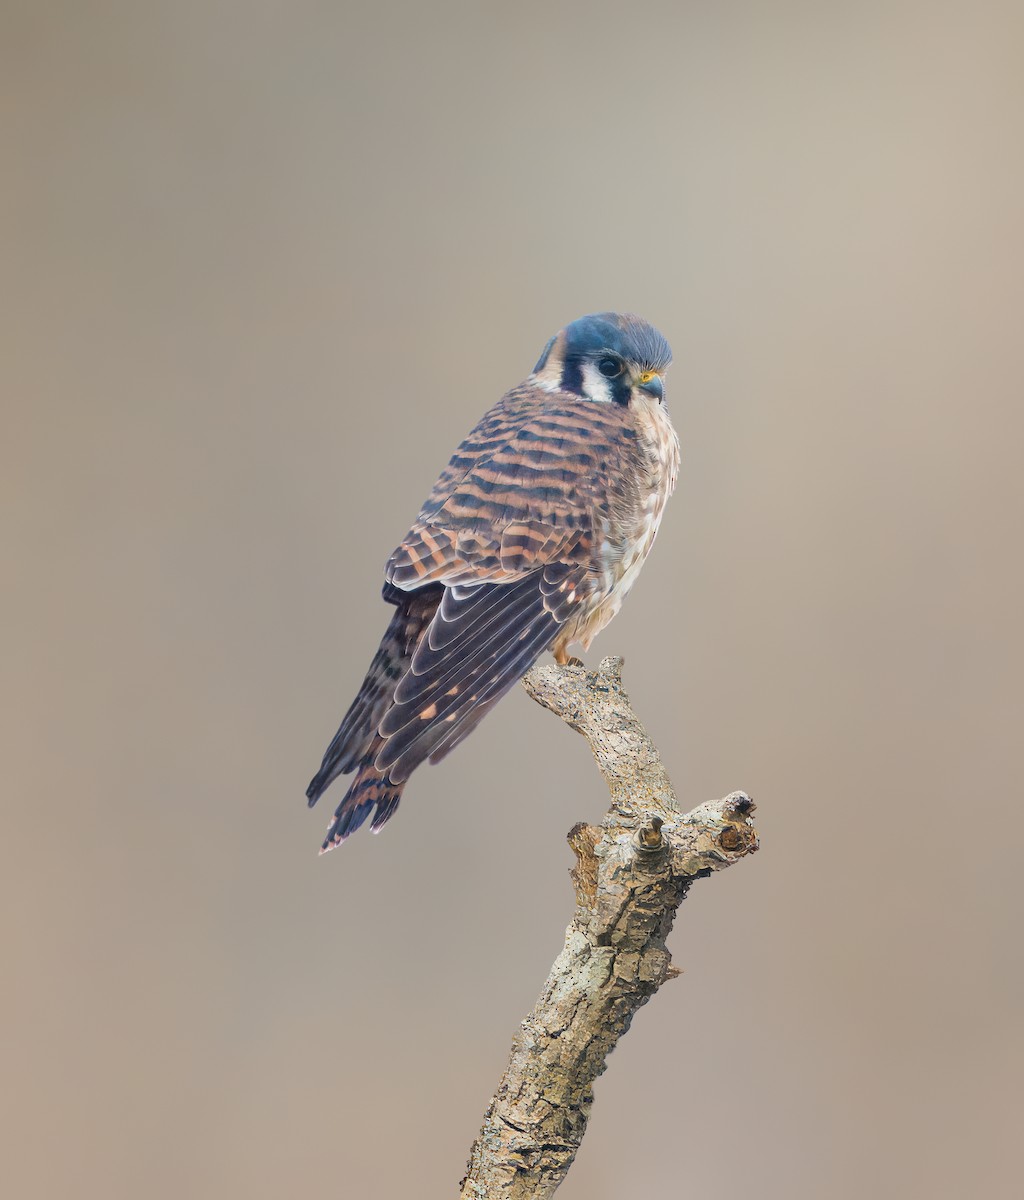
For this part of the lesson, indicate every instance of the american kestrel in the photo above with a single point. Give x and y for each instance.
(530, 540)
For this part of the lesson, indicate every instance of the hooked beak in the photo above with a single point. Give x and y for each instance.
(654, 386)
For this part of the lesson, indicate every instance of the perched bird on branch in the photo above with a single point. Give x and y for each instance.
(530, 540)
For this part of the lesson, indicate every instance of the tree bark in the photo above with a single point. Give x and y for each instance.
(631, 875)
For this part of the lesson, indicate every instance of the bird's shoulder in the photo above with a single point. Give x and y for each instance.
(518, 493)
(531, 427)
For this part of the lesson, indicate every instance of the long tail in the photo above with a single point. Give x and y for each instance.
(357, 743)
(370, 788)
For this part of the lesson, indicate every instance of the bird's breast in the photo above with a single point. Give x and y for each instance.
(626, 531)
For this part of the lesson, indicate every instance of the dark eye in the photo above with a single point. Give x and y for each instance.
(610, 367)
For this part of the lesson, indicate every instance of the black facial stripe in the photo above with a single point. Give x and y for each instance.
(572, 376)
(620, 389)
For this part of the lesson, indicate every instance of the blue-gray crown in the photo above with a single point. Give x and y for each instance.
(629, 336)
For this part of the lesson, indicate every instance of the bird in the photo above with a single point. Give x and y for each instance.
(529, 541)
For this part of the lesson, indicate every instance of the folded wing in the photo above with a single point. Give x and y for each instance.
(498, 561)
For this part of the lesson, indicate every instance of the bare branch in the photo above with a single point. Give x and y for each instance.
(631, 875)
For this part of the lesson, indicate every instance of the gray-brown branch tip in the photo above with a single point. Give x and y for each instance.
(730, 822)
(611, 667)
(738, 806)
(556, 678)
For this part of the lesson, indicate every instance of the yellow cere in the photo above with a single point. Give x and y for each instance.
(647, 376)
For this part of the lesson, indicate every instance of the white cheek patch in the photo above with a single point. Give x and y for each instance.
(595, 385)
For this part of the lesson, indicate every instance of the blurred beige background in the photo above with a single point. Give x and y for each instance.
(263, 266)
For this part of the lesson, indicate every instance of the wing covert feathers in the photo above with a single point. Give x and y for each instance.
(521, 492)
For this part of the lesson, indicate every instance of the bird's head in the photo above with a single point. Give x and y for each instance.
(606, 357)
